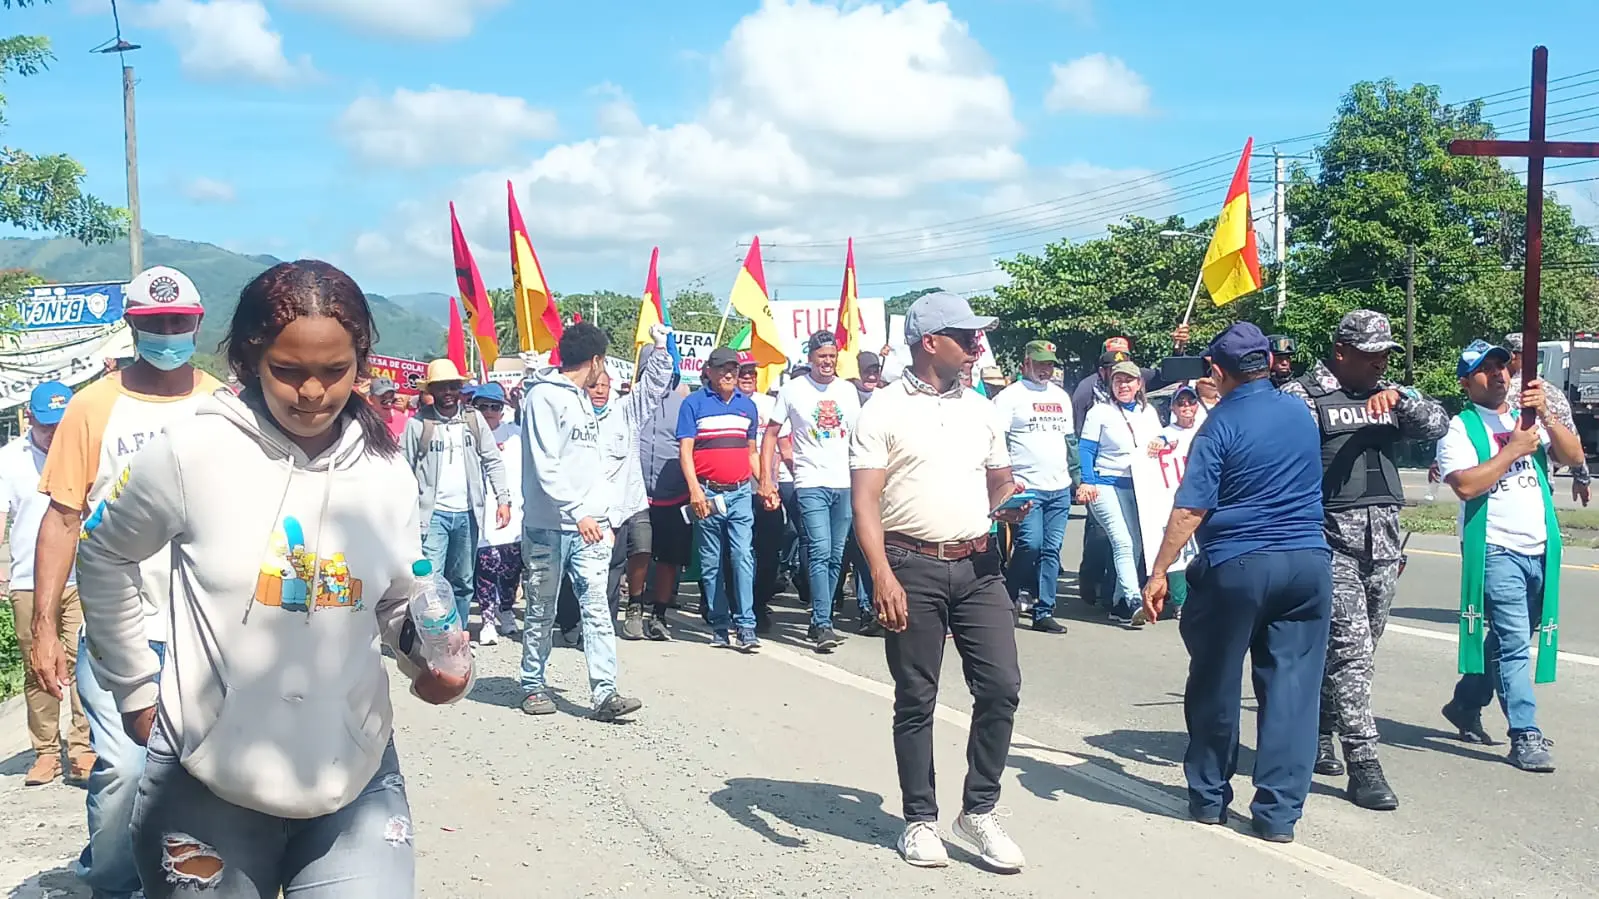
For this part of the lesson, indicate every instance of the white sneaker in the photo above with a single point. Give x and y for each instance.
(489, 636)
(992, 842)
(921, 845)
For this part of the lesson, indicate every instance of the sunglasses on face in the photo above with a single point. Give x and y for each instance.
(489, 407)
(964, 338)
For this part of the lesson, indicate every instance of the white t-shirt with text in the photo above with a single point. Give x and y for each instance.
(1515, 503)
(1120, 433)
(822, 418)
(764, 404)
(1037, 420)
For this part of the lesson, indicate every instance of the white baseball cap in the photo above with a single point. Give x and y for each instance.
(162, 291)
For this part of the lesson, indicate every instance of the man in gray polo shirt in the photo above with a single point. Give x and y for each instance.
(929, 468)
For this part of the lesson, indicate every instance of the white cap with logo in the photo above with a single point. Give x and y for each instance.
(161, 290)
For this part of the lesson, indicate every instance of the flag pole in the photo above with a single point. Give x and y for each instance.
(726, 310)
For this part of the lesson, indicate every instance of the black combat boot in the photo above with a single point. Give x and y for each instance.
(1369, 789)
(1327, 763)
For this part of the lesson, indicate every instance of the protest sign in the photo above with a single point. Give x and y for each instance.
(71, 362)
(797, 320)
(405, 373)
(694, 348)
(1155, 482)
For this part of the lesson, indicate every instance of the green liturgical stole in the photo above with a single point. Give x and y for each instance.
(1474, 555)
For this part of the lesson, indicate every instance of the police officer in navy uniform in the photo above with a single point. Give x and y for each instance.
(1261, 584)
(1282, 359)
(1362, 418)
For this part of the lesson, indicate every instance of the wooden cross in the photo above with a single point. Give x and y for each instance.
(1535, 149)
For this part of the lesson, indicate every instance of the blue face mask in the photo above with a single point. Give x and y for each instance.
(165, 351)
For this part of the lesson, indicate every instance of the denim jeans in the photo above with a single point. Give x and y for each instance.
(1116, 510)
(451, 545)
(363, 849)
(106, 863)
(1035, 561)
(548, 555)
(1513, 596)
(732, 532)
(826, 513)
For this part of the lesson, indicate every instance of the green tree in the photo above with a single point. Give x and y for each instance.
(1385, 183)
(45, 193)
(1133, 282)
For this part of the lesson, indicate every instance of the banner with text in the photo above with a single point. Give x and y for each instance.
(1155, 482)
(797, 320)
(405, 373)
(71, 306)
(72, 363)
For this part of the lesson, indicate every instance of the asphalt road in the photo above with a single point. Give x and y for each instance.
(1415, 481)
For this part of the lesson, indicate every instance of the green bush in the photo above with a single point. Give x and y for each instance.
(10, 655)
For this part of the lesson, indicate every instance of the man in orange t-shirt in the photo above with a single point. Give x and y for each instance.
(104, 427)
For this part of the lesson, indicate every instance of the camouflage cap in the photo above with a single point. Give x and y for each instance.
(1513, 342)
(1366, 331)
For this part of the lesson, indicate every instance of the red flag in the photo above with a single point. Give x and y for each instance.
(851, 325)
(455, 343)
(474, 296)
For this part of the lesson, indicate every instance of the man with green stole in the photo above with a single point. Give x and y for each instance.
(1510, 548)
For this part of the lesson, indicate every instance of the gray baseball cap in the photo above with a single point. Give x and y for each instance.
(940, 311)
(1513, 342)
(381, 387)
(1366, 331)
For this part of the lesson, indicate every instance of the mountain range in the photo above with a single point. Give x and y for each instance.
(411, 325)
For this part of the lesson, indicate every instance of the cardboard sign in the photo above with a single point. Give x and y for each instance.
(797, 320)
(405, 373)
(694, 347)
(1155, 482)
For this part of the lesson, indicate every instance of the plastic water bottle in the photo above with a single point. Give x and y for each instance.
(444, 640)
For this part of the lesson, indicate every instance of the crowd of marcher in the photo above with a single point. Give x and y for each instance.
(212, 574)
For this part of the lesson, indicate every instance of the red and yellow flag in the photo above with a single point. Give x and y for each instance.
(750, 299)
(455, 341)
(1232, 264)
(851, 327)
(538, 321)
(474, 296)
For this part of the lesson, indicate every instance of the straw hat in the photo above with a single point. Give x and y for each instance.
(441, 370)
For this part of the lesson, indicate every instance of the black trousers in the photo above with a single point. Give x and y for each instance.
(969, 597)
(1277, 608)
(1095, 577)
(769, 527)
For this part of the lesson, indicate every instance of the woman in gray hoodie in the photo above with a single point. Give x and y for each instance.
(293, 526)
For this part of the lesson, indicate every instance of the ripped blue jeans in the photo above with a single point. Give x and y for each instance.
(188, 842)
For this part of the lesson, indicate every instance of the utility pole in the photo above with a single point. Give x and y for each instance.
(1280, 202)
(131, 151)
(1410, 316)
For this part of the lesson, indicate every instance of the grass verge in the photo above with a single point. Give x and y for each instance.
(10, 655)
(1580, 527)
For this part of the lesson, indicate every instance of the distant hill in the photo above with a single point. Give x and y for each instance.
(434, 307)
(219, 274)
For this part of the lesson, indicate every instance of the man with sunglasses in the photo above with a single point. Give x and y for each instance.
(930, 471)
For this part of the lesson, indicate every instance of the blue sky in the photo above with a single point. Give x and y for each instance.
(938, 134)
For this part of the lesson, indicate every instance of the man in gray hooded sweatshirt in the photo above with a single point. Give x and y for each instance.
(567, 531)
(452, 452)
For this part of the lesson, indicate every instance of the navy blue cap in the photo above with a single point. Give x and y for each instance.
(1471, 358)
(1241, 349)
(48, 402)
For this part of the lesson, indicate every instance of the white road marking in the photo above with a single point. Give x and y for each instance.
(1336, 870)
(1451, 637)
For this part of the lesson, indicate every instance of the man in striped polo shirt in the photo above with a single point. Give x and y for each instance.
(716, 447)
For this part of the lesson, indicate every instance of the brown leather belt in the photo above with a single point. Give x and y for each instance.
(721, 487)
(944, 552)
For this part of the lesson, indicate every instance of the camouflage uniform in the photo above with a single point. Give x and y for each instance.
(1365, 560)
(1559, 406)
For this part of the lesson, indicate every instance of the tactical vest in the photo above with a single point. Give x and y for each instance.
(1357, 451)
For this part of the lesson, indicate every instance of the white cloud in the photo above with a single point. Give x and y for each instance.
(823, 120)
(417, 19)
(441, 126)
(201, 189)
(1097, 84)
(224, 39)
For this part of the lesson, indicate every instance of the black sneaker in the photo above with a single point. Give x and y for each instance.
(1468, 722)
(1327, 763)
(655, 629)
(869, 626)
(616, 706)
(538, 704)
(763, 624)
(824, 638)
(1049, 626)
(1529, 751)
(573, 637)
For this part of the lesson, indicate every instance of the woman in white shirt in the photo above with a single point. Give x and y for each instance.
(1112, 432)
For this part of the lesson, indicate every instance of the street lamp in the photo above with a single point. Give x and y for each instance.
(130, 134)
